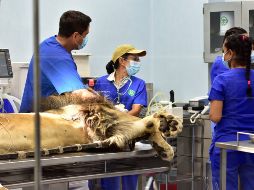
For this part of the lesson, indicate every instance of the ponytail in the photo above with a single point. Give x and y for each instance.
(249, 90)
(110, 67)
(242, 46)
(247, 54)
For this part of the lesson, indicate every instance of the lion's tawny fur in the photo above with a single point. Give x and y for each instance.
(70, 119)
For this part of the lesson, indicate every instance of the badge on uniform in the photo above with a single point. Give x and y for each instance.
(131, 92)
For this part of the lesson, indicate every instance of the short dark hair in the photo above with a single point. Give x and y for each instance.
(73, 21)
(234, 30)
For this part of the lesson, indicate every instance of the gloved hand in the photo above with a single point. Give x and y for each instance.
(121, 107)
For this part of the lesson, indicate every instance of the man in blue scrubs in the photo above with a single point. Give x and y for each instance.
(58, 69)
(128, 93)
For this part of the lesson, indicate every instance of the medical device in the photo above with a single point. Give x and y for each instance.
(119, 94)
(198, 106)
(8, 103)
(198, 103)
(89, 81)
(5, 64)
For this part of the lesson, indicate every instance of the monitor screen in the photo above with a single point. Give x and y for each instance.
(5, 67)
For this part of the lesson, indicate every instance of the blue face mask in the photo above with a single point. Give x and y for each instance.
(225, 62)
(133, 68)
(85, 40)
(252, 57)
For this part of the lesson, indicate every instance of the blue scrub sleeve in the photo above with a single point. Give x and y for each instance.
(97, 86)
(62, 73)
(141, 95)
(217, 68)
(218, 89)
(213, 72)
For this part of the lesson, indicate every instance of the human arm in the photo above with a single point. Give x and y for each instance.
(86, 93)
(215, 114)
(62, 73)
(140, 100)
(216, 98)
(136, 108)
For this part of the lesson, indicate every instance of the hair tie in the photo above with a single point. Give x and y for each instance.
(244, 37)
(248, 82)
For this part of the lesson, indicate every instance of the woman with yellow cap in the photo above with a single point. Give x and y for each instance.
(128, 93)
(120, 86)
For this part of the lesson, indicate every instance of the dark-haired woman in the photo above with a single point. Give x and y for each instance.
(232, 108)
(128, 93)
(120, 85)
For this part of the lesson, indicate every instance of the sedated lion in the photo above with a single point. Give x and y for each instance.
(69, 119)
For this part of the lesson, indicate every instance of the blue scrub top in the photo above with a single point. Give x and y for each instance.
(238, 110)
(58, 73)
(217, 68)
(133, 91)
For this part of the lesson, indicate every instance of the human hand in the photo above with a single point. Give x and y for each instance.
(86, 93)
(121, 108)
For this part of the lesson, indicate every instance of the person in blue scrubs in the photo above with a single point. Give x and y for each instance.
(232, 103)
(128, 93)
(58, 69)
(219, 66)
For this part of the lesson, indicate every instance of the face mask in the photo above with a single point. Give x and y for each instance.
(85, 40)
(133, 68)
(252, 57)
(225, 62)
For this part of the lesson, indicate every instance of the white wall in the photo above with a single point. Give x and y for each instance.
(114, 22)
(171, 32)
(16, 30)
(178, 48)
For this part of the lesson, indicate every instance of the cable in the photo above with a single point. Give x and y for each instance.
(12, 101)
(157, 105)
(2, 104)
(149, 183)
(123, 93)
(197, 114)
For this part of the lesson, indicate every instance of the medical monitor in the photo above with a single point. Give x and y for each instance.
(5, 64)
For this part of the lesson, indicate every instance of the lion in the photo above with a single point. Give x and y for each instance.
(70, 119)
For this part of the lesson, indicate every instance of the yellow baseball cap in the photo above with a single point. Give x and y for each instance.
(126, 48)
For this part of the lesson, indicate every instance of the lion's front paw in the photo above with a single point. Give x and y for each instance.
(170, 126)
